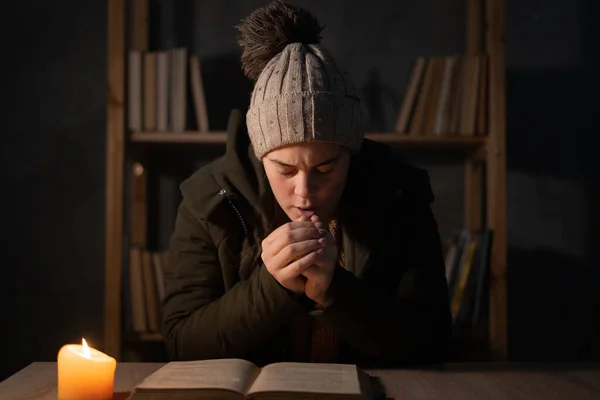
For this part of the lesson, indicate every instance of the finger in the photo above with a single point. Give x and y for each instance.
(303, 218)
(293, 252)
(288, 227)
(294, 236)
(324, 263)
(317, 221)
(299, 266)
(312, 272)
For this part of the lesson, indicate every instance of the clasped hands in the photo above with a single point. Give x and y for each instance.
(302, 256)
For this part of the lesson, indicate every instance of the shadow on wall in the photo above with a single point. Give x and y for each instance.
(382, 102)
(226, 88)
(554, 306)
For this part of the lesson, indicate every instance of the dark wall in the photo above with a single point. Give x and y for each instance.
(53, 154)
(553, 256)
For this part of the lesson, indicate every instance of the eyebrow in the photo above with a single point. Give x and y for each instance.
(328, 161)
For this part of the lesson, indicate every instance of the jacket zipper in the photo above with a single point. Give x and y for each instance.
(223, 192)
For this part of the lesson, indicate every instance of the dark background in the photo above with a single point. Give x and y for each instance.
(53, 152)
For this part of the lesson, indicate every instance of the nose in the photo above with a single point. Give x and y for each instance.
(302, 186)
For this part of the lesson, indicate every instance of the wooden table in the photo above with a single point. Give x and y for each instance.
(452, 381)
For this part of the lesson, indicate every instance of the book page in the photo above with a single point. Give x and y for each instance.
(334, 379)
(229, 374)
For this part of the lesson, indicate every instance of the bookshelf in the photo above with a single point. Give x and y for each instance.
(391, 138)
(126, 223)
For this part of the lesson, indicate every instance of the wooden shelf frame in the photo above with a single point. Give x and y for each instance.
(394, 139)
(484, 34)
(115, 159)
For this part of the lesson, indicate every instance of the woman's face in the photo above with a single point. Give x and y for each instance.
(308, 178)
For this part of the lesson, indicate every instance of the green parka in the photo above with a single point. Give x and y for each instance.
(391, 303)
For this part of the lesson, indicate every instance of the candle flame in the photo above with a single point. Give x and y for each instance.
(86, 349)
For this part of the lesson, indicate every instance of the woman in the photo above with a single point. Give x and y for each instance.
(304, 242)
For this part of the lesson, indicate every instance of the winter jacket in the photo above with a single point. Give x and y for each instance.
(391, 305)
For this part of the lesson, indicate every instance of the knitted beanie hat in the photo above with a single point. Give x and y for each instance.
(300, 94)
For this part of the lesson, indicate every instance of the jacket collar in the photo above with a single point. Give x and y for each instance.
(362, 212)
(241, 173)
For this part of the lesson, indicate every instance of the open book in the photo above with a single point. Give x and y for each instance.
(241, 379)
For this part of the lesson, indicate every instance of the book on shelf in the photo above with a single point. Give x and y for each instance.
(467, 270)
(161, 84)
(445, 95)
(146, 289)
(240, 379)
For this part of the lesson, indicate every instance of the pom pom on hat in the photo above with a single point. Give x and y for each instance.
(268, 30)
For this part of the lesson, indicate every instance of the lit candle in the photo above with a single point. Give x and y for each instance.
(85, 373)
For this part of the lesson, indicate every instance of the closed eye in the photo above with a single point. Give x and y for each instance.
(323, 170)
(287, 173)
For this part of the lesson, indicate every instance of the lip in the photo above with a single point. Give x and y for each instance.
(305, 211)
